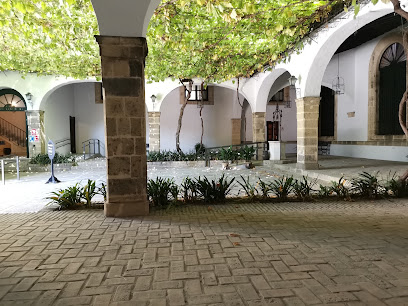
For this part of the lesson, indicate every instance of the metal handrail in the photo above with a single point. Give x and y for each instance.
(257, 146)
(93, 145)
(13, 133)
(62, 143)
(2, 166)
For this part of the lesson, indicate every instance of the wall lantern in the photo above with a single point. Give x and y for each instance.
(29, 98)
(292, 80)
(153, 97)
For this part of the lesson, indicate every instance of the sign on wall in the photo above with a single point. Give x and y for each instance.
(34, 135)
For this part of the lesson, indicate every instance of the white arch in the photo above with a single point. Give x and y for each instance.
(162, 89)
(37, 85)
(126, 18)
(47, 94)
(265, 87)
(310, 64)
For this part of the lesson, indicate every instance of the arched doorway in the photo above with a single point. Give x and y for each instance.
(391, 88)
(13, 123)
(327, 113)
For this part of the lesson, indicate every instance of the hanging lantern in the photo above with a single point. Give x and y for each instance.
(338, 82)
(338, 86)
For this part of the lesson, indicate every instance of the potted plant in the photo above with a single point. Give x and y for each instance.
(227, 155)
(247, 153)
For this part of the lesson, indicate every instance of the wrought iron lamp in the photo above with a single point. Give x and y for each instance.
(29, 98)
(153, 97)
(338, 82)
(292, 80)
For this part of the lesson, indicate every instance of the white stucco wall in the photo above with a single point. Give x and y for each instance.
(89, 118)
(354, 65)
(58, 107)
(217, 121)
(371, 152)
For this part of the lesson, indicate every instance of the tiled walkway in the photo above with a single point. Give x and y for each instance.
(337, 253)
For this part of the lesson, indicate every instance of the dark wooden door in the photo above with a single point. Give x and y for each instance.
(272, 130)
(326, 112)
(72, 134)
(392, 88)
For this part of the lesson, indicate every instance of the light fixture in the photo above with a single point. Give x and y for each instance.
(153, 97)
(292, 80)
(29, 97)
(338, 82)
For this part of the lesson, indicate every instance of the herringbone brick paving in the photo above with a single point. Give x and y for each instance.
(337, 253)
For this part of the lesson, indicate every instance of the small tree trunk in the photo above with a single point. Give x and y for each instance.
(201, 116)
(401, 112)
(180, 120)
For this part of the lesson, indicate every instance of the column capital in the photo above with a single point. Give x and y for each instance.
(123, 42)
(308, 100)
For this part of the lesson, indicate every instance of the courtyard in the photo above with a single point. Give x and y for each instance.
(337, 253)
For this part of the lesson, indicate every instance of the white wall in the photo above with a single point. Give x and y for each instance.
(354, 65)
(58, 107)
(89, 117)
(371, 152)
(217, 121)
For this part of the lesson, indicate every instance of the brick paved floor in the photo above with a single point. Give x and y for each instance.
(338, 253)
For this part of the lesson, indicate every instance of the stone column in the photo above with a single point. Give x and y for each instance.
(236, 131)
(307, 110)
(258, 127)
(35, 127)
(122, 61)
(154, 131)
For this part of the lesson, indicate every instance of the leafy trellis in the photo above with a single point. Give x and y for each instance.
(49, 37)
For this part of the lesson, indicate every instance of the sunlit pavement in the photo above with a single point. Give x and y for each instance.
(29, 193)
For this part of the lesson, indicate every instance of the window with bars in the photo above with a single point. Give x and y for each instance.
(197, 92)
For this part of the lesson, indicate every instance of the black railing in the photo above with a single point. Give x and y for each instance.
(261, 148)
(13, 133)
(62, 143)
(92, 147)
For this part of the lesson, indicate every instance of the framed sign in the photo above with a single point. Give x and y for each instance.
(51, 149)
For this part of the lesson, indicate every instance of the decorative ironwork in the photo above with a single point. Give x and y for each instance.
(11, 100)
(394, 53)
(277, 117)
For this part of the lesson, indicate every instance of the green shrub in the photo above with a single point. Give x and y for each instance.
(102, 191)
(339, 188)
(281, 187)
(43, 159)
(227, 154)
(68, 198)
(367, 185)
(88, 192)
(247, 153)
(189, 190)
(161, 191)
(303, 188)
(265, 188)
(396, 187)
(250, 189)
(214, 190)
(325, 191)
(199, 148)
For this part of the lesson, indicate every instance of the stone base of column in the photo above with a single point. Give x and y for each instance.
(127, 209)
(309, 166)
